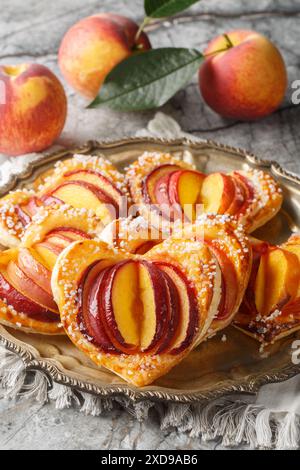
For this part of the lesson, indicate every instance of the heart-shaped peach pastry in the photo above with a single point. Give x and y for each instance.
(271, 306)
(26, 299)
(136, 315)
(140, 315)
(167, 188)
(83, 182)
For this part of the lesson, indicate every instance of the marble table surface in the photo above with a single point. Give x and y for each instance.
(31, 32)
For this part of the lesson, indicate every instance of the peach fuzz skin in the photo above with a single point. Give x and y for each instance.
(94, 46)
(246, 82)
(34, 110)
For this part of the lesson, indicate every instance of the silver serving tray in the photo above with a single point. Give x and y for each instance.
(216, 367)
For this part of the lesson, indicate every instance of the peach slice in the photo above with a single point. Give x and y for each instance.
(152, 294)
(69, 233)
(229, 283)
(188, 310)
(217, 193)
(21, 303)
(150, 184)
(61, 238)
(97, 179)
(84, 195)
(260, 283)
(23, 216)
(172, 323)
(249, 192)
(48, 252)
(34, 269)
(184, 188)
(122, 311)
(239, 197)
(161, 189)
(162, 198)
(48, 200)
(28, 287)
(58, 240)
(248, 309)
(89, 306)
(280, 270)
(293, 247)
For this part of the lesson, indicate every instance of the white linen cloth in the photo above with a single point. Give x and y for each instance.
(270, 419)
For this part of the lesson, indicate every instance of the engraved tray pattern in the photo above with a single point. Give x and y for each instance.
(215, 368)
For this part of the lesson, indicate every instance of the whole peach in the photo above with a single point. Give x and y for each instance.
(248, 81)
(33, 108)
(94, 46)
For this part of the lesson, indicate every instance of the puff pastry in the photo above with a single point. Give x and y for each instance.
(26, 300)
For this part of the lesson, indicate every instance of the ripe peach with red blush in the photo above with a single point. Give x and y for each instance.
(34, 110)
(248, 80)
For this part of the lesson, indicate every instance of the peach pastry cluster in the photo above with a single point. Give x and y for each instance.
(140, 314)
(138, 296)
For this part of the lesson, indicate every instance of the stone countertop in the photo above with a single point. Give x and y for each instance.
(31, 31)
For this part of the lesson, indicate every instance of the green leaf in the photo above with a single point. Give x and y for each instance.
(163, 8)
(148, 80)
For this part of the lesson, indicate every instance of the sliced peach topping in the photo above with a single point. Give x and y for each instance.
(217, 193)
(277, 280)
(28, 287)
(84, 195)
(184, 189)
(141, 307)
(126, 308)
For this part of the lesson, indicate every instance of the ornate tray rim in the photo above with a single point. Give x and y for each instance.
(49, 366)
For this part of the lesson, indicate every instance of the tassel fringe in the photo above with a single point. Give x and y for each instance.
(233, 421)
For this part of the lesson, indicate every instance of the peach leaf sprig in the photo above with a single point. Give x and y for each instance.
(149, 79)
